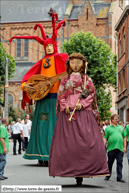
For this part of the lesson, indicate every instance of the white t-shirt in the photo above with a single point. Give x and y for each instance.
(104, 127)
(17, 127)
(26, 129)
(28, 123)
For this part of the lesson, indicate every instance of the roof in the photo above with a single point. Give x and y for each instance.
(76, 11)
(101, 9)
(126, 10)
(20, 70)
(29, 11)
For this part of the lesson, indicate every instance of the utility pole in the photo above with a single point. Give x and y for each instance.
(6, 90)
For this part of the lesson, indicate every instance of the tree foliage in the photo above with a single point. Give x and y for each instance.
(101, 65)
(11, 66)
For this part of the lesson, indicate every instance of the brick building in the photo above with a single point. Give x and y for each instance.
(19, 18)
(122, 28)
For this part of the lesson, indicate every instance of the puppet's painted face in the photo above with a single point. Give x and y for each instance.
(76, 64)
(49, 49)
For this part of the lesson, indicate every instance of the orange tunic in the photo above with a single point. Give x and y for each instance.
(51, 71)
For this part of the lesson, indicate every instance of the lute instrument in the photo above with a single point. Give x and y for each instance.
(43, 84)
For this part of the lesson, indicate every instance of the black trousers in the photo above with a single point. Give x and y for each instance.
(15, 138)
(26, 142)
(118, 155)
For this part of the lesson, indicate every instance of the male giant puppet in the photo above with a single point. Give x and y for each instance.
(45, 113)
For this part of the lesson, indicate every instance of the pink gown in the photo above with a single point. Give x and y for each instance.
(77, 148)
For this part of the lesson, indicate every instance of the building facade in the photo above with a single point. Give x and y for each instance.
(19, 18)
(122, 28)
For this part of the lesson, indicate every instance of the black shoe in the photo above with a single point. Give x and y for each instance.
(107, 178)
(79, 184)
(19, 152)
(5, 177)
(120, 180)
(14, 153)
(2, 178)
(46, 163)
(79, 181)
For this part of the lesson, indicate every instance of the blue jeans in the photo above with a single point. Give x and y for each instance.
(2, 163)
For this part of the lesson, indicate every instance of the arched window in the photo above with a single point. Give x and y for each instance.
(18, 50)
(26, 41)
(10, 99)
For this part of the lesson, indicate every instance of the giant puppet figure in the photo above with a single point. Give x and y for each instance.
(77, 148)
(44, 118)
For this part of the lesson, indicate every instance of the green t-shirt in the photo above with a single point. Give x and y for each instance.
(114, 136)
(4, 134)
(127, 132)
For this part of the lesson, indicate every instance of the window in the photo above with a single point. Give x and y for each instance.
(123, 43)
(119, 48)
(10, 99)
(26, 47)
(18, 50)
(119, 83)
(123, 79)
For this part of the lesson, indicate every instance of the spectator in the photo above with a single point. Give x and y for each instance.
(121, 123)
(28, 120)
(116, 138)
(11, 128)
(26, 133)
(127, 136)
(17, 131)
(28, 123)
(4, 147)
(107, 123)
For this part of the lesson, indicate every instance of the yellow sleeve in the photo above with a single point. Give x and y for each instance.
(22, 85)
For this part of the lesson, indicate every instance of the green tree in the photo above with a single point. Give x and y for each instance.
(101, 65)
(11, 67)
(12, 114)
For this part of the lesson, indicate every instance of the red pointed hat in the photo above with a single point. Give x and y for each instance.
(51, 40)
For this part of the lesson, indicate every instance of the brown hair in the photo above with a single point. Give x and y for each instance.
(114, 115)
(75, 56)
(4, 120)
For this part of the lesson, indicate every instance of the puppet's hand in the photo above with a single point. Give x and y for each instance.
(78, 106)
(29, 88)
(67, 109)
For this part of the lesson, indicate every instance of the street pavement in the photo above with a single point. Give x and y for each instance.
(26, 172)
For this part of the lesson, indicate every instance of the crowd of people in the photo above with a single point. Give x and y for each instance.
(17, 131)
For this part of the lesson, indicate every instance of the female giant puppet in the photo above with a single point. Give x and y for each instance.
(45, 116)
(77, 148)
